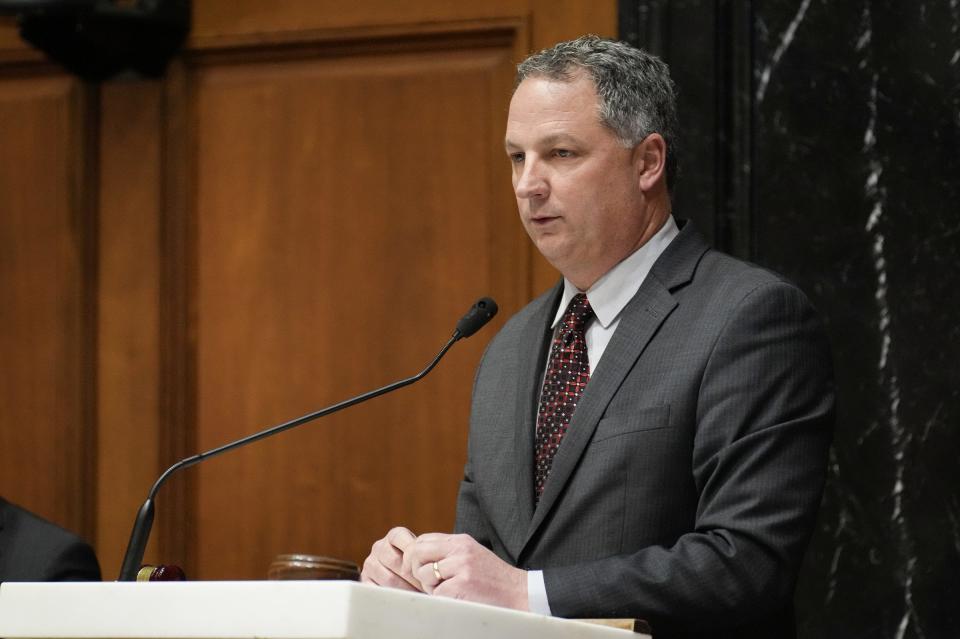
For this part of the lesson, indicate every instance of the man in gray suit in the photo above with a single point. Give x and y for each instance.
(657, 447)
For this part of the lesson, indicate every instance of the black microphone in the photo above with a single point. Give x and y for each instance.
(478, 315)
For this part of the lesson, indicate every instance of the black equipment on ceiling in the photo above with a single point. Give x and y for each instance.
(97, 39)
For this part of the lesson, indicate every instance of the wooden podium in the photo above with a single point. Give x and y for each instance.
(263, 610)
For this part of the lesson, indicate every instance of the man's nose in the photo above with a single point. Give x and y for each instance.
(531, 182)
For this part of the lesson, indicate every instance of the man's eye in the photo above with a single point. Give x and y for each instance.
(563, 153)
(516, 158)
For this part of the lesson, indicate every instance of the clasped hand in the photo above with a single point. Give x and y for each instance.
(453, 566)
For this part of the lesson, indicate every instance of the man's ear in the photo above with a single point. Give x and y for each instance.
(650, 158)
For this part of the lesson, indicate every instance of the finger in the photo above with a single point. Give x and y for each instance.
(400, 538)
(402, 572)
(427, 549)
(390, 558)
(387, 553)
(425, 578)
(409, 565)
(377, 574)
(435, 538)
(434, 559)
(430, 575)
(430, 547)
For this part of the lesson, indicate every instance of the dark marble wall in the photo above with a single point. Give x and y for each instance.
(857, 182)
(838, 164)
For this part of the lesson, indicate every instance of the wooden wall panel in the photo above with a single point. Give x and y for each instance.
(47, 284)
(218, 24)
(343, 206)
(129, 316)
(253, 19)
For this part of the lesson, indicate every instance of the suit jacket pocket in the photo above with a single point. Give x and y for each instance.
(650, 418)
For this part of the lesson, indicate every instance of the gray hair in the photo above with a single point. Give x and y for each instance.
(634, 89)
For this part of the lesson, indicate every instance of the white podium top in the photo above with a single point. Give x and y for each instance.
(263, 610)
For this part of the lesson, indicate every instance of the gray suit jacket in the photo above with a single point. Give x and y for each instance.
(33, 549)
(687, 485)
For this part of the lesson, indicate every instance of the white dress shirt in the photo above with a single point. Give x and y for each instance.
(608, 297)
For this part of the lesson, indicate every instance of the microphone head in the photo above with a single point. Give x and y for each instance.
(479, 314)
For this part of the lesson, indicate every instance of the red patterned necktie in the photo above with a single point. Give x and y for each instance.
(567, 375)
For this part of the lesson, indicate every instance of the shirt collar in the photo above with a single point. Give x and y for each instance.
(609, 295)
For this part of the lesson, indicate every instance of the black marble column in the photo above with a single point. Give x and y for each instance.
(838, 164)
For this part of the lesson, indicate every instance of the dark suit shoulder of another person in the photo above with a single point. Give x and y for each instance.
(33, 549)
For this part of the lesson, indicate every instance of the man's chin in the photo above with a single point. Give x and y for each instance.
(552, 248)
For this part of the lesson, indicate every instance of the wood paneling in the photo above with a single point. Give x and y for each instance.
(47, 284)
(305, 171)
(252, 18)
(129, 316)
(298, 212)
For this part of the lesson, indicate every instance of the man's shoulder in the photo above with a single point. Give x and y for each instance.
(690, 264)
(712, 285)
(723, 266)
(39, 550)
(21, 523)
(733, 278)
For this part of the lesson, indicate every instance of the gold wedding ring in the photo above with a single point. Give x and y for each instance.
(436, 571)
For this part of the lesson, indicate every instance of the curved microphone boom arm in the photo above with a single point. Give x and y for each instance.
(478, 315)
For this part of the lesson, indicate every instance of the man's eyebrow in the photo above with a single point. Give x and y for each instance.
(559, 138)
(550, 140)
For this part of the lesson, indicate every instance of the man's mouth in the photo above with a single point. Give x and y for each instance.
(542, 220)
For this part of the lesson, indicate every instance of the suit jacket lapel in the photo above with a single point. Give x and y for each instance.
(535, 341)
(639, 322)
